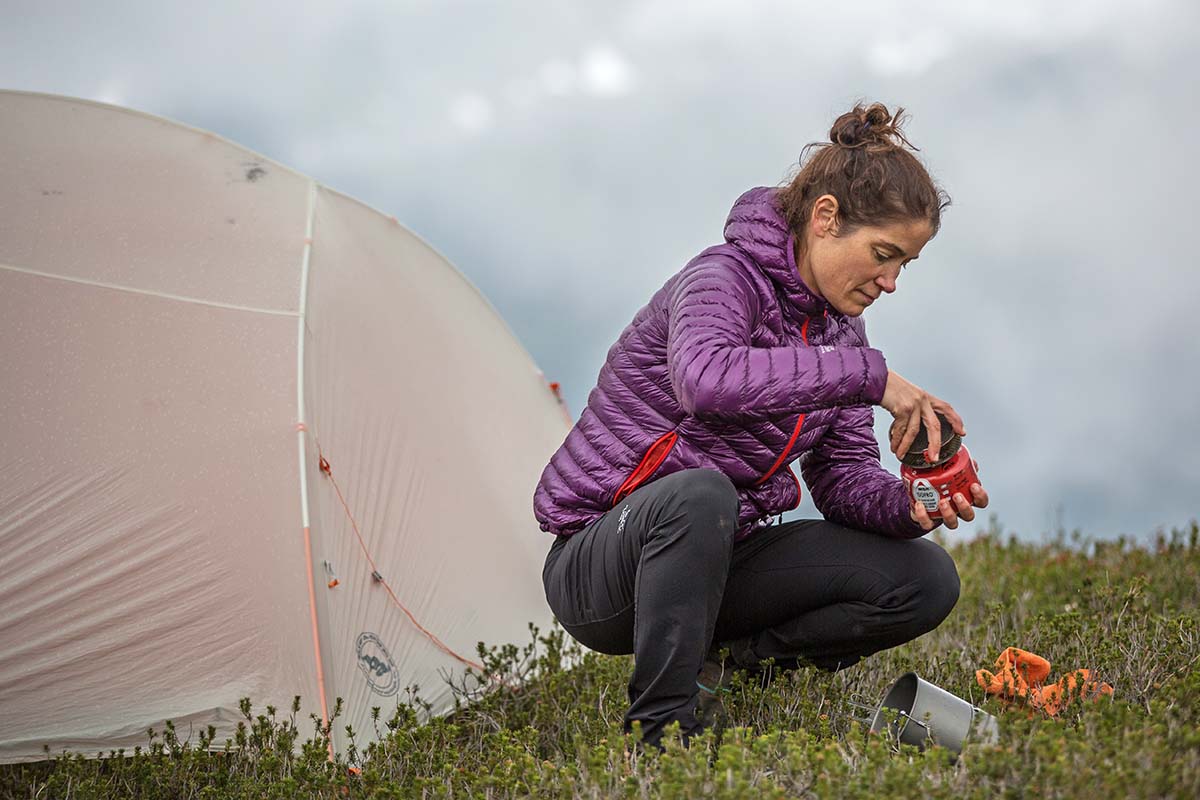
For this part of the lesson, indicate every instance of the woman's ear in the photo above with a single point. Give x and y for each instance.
(824, 220)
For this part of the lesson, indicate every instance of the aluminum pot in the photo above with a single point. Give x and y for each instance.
(928, 713)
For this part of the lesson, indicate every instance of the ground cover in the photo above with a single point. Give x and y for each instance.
(1129, 612)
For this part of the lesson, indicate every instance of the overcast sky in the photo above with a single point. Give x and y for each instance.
(570, 156)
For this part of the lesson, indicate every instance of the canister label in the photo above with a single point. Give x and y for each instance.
(924, 493)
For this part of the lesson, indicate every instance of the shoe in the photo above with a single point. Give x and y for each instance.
(714, 679)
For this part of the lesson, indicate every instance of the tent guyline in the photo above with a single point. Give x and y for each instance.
(377, 575)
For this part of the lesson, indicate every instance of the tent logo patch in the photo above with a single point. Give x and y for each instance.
(376, 663)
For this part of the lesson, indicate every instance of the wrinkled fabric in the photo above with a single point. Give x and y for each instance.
(747, 370)
(1020, 679)
(807, 591)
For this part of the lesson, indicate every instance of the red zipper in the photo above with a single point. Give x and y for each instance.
(655, 455)
(795, 433)
(784, 454)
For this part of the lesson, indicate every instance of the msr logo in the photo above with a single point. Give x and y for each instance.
(621, 521)
(376, 664)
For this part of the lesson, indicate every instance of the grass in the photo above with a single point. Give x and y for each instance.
(1129, 612)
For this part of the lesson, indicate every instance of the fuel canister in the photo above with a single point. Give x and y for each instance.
(953, 472)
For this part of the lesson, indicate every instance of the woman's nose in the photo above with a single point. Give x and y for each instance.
(887, 283)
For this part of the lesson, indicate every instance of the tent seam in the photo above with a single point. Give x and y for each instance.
(279, 312)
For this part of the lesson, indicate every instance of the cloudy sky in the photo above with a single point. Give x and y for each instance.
(570, 156)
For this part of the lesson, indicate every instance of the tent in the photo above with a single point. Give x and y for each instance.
(256, 440)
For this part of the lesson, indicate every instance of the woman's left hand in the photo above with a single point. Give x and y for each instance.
(951, 512)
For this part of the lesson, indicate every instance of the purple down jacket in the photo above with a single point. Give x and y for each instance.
(735, 365)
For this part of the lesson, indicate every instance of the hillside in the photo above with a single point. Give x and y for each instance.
(1130, 613)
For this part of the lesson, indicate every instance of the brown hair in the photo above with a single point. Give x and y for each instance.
(867, 166)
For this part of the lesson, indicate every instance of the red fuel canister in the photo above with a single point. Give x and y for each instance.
(953, 472)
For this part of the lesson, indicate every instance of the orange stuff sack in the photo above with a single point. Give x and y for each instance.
(1021, 676)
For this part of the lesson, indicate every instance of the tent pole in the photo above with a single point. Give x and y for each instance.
(301, 439)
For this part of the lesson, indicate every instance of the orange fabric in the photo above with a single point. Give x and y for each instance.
(655, 455)
(1021, 677)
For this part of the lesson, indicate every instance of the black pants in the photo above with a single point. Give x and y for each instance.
(659, 576)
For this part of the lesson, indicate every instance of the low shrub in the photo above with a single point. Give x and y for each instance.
(547, 722)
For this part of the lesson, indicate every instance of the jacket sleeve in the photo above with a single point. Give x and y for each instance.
(848, 484)
(716, 372)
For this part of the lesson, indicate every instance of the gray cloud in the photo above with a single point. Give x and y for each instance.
(569, 158)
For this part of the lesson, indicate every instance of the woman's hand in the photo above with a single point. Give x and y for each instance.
(950, 512)
(910, 404)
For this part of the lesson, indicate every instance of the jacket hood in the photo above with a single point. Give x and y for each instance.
(756, 226)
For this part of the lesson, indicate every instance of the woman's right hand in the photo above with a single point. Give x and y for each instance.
(910, 404)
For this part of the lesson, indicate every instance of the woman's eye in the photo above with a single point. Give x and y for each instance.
(881, 257)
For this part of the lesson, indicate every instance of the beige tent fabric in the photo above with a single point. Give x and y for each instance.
(171, 307)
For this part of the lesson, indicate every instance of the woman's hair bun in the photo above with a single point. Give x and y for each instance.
(871, 126)
(868, 168)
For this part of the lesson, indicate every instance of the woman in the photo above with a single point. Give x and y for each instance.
(754, 356)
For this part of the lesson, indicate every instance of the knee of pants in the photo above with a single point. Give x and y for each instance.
(705, 494)
(939, 586)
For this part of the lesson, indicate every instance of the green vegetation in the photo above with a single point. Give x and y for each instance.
(1130, 613)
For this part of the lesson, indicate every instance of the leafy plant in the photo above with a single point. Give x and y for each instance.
(544, 719)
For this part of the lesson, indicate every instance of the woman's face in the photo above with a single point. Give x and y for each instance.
(850, 269)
